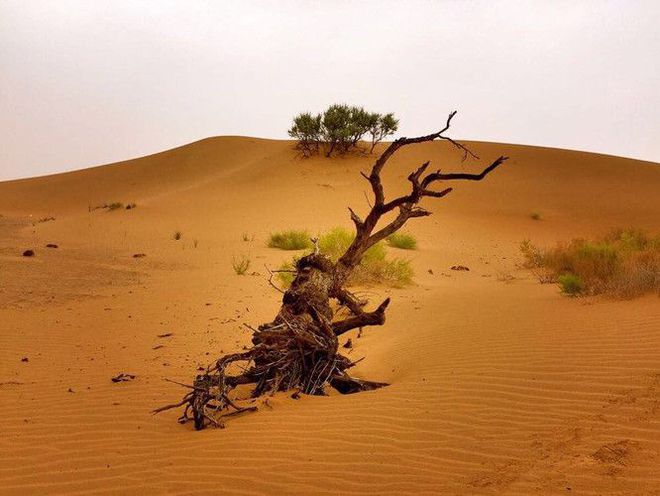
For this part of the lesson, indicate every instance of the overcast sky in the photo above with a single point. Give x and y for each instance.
(84, 83)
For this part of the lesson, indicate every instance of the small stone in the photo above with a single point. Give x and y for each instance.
(459, 267)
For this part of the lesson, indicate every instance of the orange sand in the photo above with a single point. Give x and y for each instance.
(498, 387)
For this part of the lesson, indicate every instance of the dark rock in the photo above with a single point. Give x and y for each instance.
(123, 377)
(459, 267)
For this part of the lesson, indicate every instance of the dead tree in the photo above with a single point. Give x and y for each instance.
(298, 350)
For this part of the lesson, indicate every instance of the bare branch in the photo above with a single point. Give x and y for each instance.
(365, 237)
(377, 317)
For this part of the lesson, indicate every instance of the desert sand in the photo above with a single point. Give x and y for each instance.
(499, 385)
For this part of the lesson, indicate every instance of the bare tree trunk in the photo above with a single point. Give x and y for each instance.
(299, 349)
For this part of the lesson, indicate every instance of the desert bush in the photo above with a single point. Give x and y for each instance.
(570, 284)
(290, 240)
(375, 267)
(339, 129)
(402, 241)
(241, 264)
(624, 263)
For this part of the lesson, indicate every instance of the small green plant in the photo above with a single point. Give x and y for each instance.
(177, 236)
(535, 216)
(570, 284)
(402, 241)
(290, 240)
(241, 264)
(375, 267)
(115, 206)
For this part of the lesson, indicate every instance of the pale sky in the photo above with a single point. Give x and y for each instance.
(84, 83)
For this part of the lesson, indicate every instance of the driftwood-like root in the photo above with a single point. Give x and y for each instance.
(286, 357)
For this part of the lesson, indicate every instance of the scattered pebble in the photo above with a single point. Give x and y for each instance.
(28, 253)
(25, 359)
(51, 245)
(139, 255)
(348, 344)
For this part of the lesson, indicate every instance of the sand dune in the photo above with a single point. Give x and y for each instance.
(498, 384)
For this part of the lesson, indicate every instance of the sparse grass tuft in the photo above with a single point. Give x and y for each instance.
(290, 240)
(375, 267)
(114, 206)
(625, 263)
(402, 241)
(535, 216)
(246, 237)
(177, 236)
(240, 265)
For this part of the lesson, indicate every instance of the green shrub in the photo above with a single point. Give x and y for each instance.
(624, 263)
(339, 129)
(240, 265)
(375, 267)
(402, 241)
(290, 240)
(570, 284)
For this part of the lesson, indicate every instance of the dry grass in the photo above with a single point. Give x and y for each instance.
(402, 241)
(290, 240)
(625, 263)
(241, 264)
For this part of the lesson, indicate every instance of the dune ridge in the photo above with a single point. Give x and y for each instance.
(498, 384)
